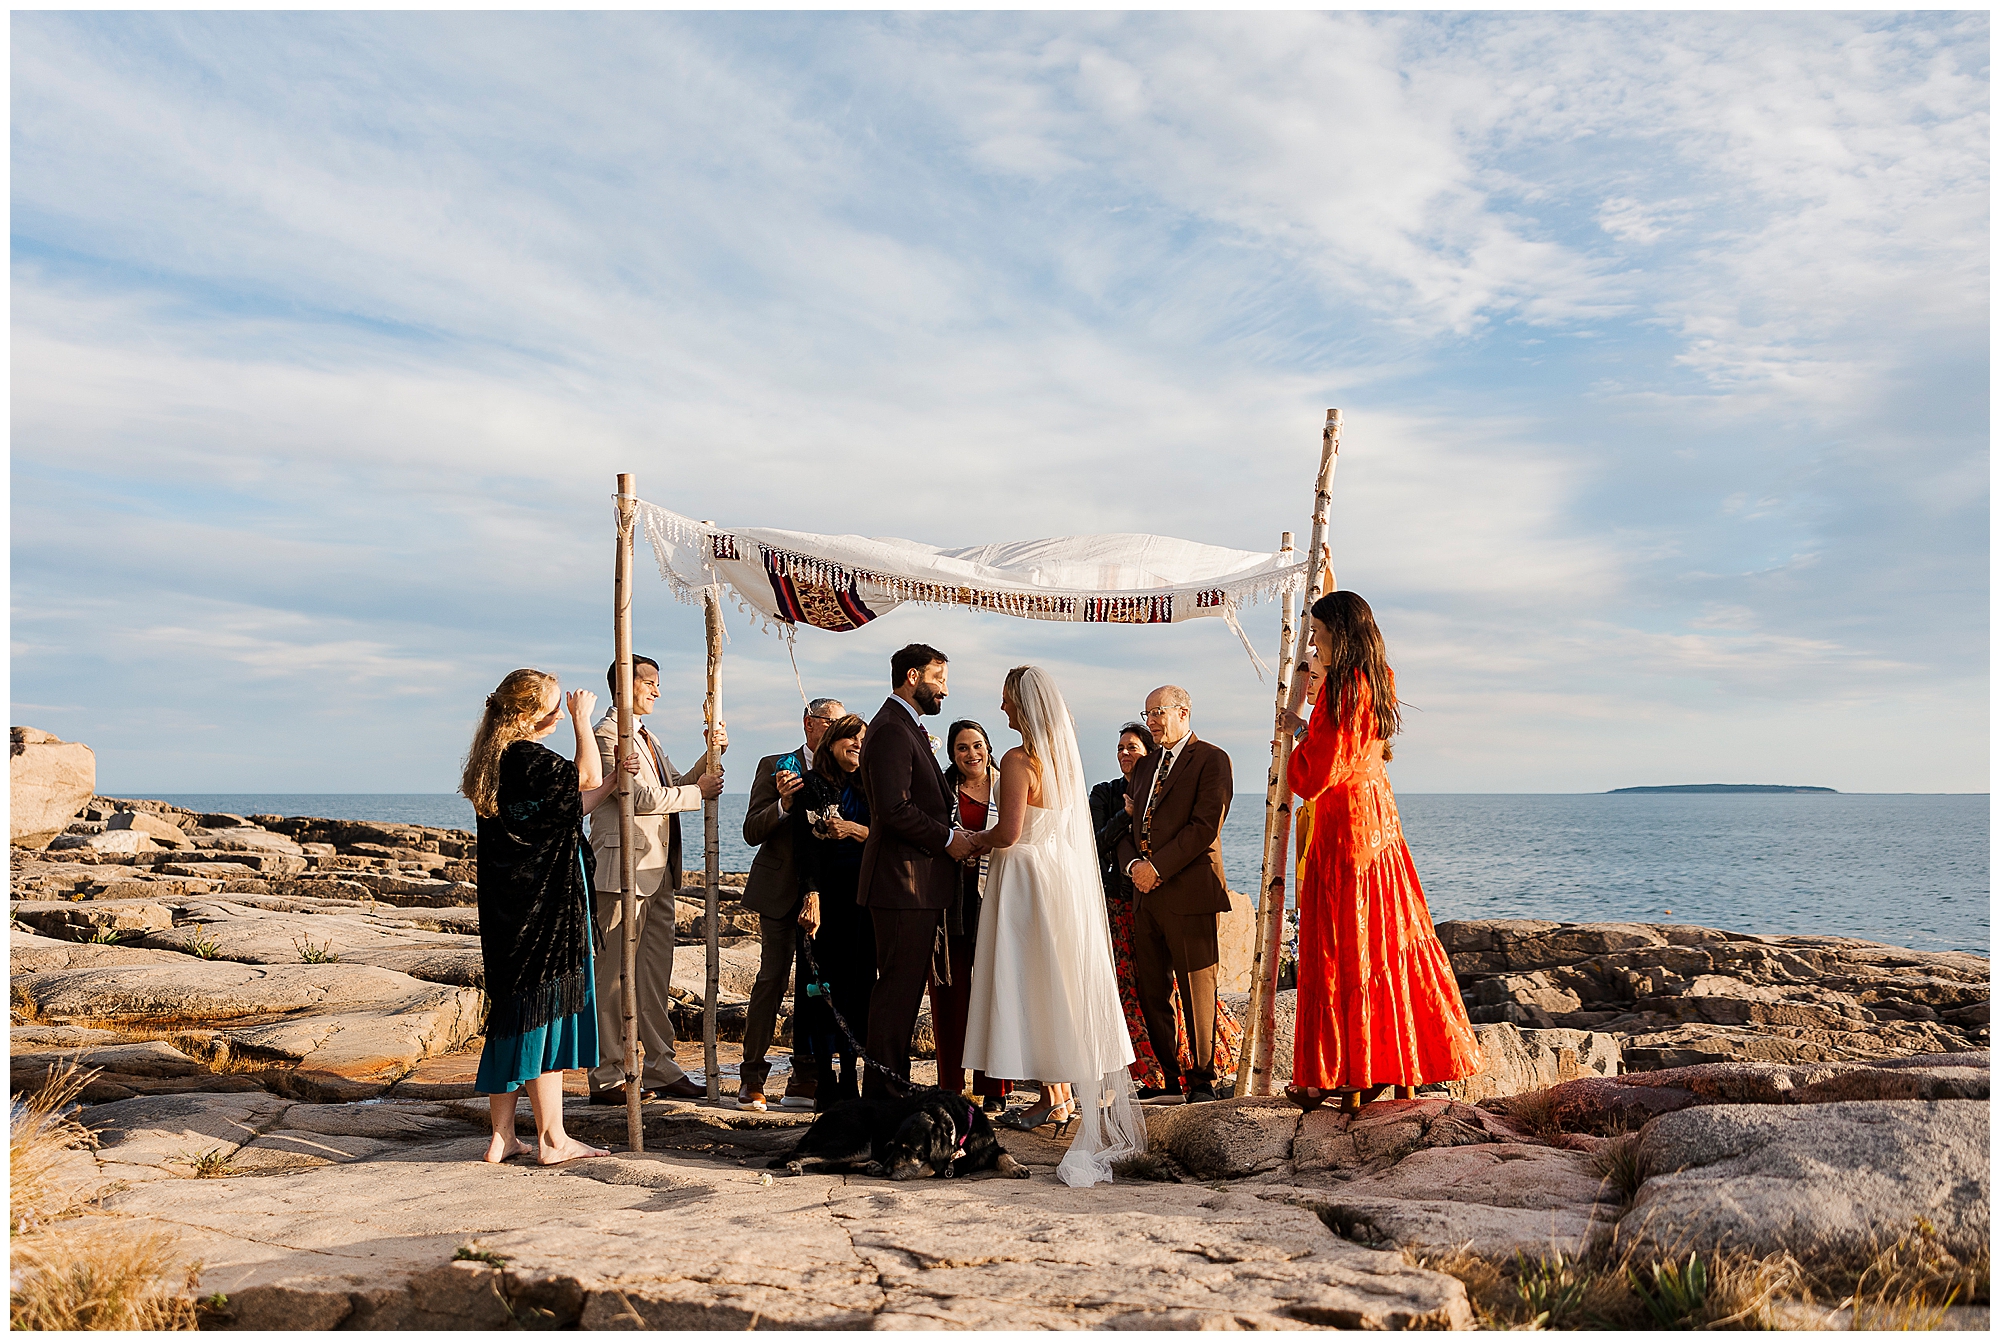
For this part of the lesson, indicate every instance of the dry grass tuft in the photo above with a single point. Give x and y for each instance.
(1908, 1285)
(1619, 1290)
(74, 1271)
(96, 1275)
(216, 1163)
(40, 1131)
(1617, 1162)
(1535, 1110)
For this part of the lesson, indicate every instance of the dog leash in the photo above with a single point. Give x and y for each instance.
(825, 993)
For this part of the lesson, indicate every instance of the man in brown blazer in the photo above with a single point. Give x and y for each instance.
(1178, 799)
(773, 893)
(909, 862)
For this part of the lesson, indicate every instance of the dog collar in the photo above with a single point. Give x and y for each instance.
(958, 1149)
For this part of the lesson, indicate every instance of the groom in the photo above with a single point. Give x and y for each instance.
(909, 862)
(1178, 798)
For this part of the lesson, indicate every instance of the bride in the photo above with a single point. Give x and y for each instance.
(1044, 991)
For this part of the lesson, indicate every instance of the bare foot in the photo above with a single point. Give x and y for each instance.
(504, 1147)
(565, 1150)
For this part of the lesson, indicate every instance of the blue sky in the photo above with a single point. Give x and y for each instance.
(1662, 342)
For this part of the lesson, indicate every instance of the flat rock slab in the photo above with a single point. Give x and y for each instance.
(1336, 1146)
(261, 935)
(1833, 1180)
(81, 921)
(27, 953)
(350, 1031)
(1629, 1101)
(1516, 1061)
(738, 972)
(367, 1240)
(1502, 1198)
(162, 1136)
(1678, 995)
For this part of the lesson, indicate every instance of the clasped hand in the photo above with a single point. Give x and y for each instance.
(1145, 878)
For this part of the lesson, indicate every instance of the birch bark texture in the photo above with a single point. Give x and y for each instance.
(711, 823)
(1277, 799)
(1278, 834)
(628, 964)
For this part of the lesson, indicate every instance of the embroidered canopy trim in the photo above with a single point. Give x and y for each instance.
(840, 582)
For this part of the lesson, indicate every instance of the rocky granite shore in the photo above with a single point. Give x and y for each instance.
(232, 985)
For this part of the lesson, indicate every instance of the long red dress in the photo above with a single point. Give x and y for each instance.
(1377, 1002)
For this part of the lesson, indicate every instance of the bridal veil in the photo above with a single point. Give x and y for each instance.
(1113, 1127)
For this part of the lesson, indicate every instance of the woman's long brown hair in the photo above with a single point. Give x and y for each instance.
(1356, 645)
(851, 725)
(511, 713)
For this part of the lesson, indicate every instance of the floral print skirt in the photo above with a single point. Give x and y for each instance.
(1146, 1064)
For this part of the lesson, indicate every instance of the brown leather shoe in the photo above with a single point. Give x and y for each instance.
(684, 1088)
(753, 1100)
(614, 1095)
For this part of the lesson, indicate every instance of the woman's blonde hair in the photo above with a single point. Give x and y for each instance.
(511, 713)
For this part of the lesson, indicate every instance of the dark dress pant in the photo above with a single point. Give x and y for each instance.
(1184, 946)
(779, 965)
(904, 938)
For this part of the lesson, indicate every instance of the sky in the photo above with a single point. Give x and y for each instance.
(1661, 343)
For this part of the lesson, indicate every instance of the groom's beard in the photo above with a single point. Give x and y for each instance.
(927, 702)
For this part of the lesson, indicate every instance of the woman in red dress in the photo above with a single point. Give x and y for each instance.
(1378, 1005)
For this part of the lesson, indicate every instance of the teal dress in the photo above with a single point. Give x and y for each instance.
(535, 928)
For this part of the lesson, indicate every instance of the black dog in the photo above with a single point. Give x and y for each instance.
(927, 1129)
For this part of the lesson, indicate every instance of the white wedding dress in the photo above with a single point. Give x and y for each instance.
(1044, 1003)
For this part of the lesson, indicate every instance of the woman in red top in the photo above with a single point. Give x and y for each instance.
(1378, 1005)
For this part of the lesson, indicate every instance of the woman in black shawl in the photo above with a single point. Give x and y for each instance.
(830, 819)
(535, 929)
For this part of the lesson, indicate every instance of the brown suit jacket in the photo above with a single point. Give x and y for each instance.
(903, 864)
(773, 888)
(1187, 828)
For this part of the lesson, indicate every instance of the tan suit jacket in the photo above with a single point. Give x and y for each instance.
(660, 795)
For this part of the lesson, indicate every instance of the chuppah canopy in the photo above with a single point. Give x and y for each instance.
(840, 582)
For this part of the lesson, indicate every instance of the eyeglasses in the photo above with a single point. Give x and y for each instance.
(1151, 713)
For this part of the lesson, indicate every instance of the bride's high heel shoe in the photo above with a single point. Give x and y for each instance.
(1061, 1115)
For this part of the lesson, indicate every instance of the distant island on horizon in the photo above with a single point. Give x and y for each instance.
(1715, 787)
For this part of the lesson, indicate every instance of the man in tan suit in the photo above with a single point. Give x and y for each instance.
(1178, 799)
(659, 795)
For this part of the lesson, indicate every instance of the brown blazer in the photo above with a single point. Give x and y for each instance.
(773, 888)
(903, 864)
(1187, 828)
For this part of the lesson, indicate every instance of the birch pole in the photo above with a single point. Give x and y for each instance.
(628, 875)
(1277, 798)
(1278, 837)
(711, 822)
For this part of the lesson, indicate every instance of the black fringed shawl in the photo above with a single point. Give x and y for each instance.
(535, 892)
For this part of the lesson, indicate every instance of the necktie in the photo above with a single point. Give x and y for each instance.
(1152, 803)
(646, 739)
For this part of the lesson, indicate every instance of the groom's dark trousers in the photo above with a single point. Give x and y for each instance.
(1174, 924)
(906, 882)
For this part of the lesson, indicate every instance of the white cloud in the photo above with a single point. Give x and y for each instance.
(1625, 314)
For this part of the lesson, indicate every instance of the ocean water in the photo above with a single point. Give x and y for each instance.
(1906, 870)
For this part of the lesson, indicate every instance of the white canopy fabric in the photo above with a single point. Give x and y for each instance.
(840, 582)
